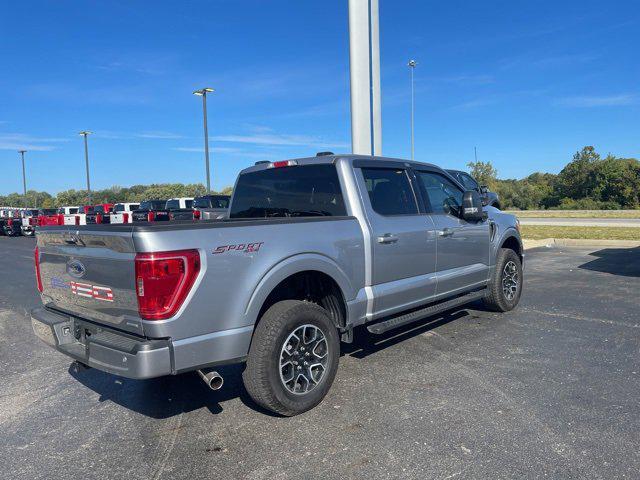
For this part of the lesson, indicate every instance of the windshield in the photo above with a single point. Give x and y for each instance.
(152, 205)
(218, 201)
(121, 207)
(299, 191)
(468, 182)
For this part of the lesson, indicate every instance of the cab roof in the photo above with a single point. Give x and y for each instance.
(335, 158)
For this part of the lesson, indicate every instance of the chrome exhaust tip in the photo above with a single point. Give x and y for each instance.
(212, 378)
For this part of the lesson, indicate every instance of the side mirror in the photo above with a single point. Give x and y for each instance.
(484, 189)
(472, 210)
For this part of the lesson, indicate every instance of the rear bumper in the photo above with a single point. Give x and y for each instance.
(105, 349)
(134, 357)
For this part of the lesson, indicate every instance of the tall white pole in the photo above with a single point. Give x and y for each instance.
(24, 177)
(206, 140)
(412, 65)
(203, 93)
(364, 54)
(85, 134)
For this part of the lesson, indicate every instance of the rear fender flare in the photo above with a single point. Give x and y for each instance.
(291, 266)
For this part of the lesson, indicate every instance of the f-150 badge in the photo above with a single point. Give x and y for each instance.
(86, 290)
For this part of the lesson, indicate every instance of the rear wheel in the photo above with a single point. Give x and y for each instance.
(293, 357)
(506, 286)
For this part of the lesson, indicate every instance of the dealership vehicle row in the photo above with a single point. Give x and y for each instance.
(24, 221)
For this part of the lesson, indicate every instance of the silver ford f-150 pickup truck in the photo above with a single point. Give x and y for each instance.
(312, 248)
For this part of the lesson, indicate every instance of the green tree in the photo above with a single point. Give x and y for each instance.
(484, 172)
(577, 178)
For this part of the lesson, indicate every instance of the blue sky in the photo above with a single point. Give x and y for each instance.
(528, 83)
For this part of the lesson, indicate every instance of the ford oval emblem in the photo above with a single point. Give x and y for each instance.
(75, 268)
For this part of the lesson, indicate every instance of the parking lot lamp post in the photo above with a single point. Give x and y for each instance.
(24, 177)
(203, 93)
(412, 65)
(85, 134)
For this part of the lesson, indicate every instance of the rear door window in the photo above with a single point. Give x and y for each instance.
(390, 191)
(295, 191)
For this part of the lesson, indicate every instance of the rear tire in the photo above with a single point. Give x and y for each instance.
(293, 357)
(505, 288)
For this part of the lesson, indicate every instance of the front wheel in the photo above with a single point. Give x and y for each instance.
(293, 357)
(505, 288)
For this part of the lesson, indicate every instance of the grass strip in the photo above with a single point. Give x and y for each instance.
(538, 232)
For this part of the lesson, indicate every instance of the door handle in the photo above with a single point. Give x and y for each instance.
(447, 232)
(387, 238)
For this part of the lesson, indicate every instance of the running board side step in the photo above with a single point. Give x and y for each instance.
(399, 321)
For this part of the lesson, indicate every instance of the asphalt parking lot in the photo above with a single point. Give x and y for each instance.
(548, 390)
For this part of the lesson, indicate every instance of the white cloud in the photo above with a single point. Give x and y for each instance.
(599, 101)
(278, 139)
(158, 135)
(25, 146)
(21, 141)
(211, 149)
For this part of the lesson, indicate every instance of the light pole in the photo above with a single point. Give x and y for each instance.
(24, 177)
(412, 65)
(203, 93)
(85, 134)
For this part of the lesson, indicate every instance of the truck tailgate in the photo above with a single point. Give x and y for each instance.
(90, 273)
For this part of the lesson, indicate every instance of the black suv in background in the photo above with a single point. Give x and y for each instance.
(151, 211)
(470, 183)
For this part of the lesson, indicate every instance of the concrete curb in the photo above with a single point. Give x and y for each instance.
(574, 242)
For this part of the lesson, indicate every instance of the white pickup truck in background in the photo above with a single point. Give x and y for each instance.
(74, 215)
(122, 212)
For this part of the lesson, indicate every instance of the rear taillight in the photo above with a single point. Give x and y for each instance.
(98, 218)
(163, 281)
(151, 216)
(9, 222)
(125, 218)
(77, 219)
(196, 214)
(60, 219)
(36, 256)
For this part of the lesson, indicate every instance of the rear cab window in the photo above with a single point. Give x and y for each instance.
(292, 191)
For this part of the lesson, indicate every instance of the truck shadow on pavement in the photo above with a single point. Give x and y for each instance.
(617, 261)
(365, 343)
(165, 397)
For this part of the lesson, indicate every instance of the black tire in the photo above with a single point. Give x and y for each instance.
(262, 376)
(497, 298)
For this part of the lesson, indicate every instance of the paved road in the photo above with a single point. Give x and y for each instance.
(549, 390)
(583, 222)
